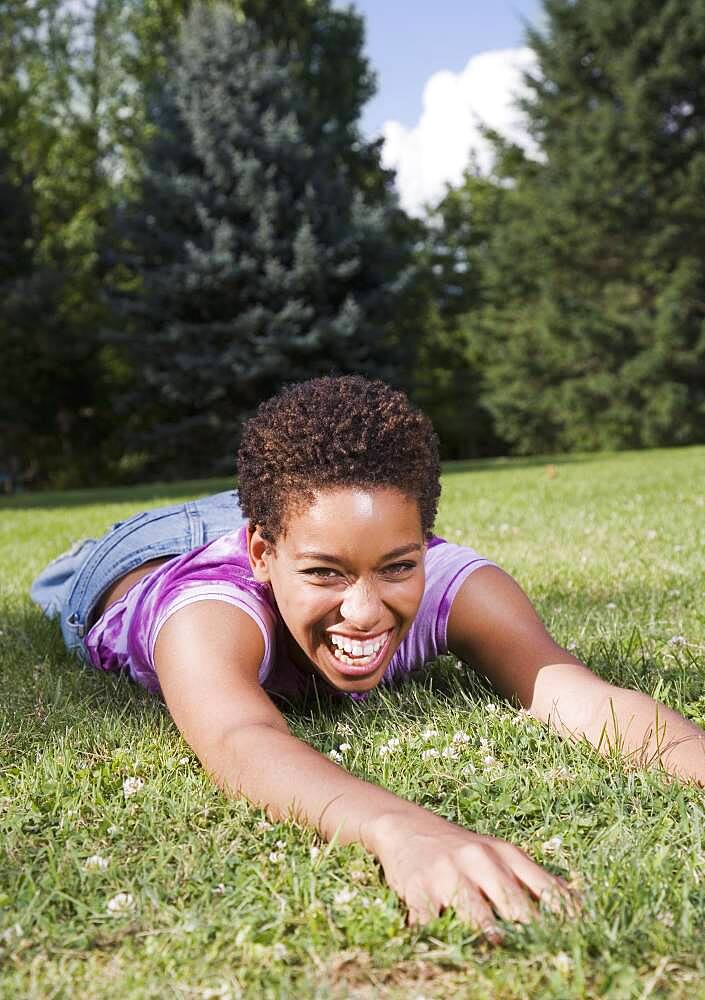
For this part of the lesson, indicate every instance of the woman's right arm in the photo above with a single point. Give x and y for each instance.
(207, 658)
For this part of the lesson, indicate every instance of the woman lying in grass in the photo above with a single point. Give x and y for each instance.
(328, 573)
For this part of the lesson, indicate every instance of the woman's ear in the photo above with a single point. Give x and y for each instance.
(259, 551)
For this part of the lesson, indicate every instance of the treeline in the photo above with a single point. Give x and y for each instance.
(190, 217)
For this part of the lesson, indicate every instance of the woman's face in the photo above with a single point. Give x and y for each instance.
(348, 577)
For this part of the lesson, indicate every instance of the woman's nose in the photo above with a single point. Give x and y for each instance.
(361, 606)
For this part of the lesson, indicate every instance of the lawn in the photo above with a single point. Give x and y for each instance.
(160, 887)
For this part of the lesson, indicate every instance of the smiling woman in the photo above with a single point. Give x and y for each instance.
(346, 594)
(326, 572)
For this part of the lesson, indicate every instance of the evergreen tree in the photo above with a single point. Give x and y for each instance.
(452, 258)
(256, 257)
(591, 332)
(47, 383)
(53, 407)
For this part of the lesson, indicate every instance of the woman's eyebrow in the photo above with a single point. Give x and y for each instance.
(394, 554)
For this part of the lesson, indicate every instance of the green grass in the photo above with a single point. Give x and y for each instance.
(612, 552)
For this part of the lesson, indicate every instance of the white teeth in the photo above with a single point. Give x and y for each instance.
(358, 661)
(362, 651)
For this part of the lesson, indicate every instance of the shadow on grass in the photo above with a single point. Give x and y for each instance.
(188, 488)
(168, 492)
(165, 492)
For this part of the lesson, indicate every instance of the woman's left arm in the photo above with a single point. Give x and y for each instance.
(494, 627)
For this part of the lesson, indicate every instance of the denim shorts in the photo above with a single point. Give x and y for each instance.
(71, 586)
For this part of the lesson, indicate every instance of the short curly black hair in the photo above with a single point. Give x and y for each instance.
(330, 432)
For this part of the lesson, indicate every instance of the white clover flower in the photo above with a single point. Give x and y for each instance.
(559, 773)
(678, 640)
(358, 876)
(520, 717)
(489, 761)
(344, 897)
(428, 734)
(571, 647)
(112, 831)
(12, 933)
(428, 754)
(492, 708)
(123, 902)
(461, 737)
(610, 605)
(666, 918)
(280, 844)
(334, 755)
(275, 857)
(552, 846)
(131, 786)
(450, 752)
(563, 962)
(279, 951)
(469, 769)
(263, 825)
(393, 743)
(184, 760)
(219, 889)
(344, 747)
(95, 863)
(314, 852)
(484, 743)
(383, 750)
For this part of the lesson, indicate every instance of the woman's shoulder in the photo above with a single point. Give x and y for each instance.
(445, 559)
(447, 565)
(219, 566)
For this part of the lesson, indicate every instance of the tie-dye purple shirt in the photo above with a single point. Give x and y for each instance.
(123, 638)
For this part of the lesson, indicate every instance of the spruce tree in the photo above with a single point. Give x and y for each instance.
(256, 258)
(592, 331)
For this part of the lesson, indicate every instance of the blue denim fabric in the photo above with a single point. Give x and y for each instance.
(71, 586)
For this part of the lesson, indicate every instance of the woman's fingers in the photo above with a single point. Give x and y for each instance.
(468, 903)
(509, 898)
(551, 890)
(508, 880)
(485, 881)
(421, 908)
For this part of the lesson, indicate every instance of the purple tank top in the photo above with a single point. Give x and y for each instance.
(123, 638)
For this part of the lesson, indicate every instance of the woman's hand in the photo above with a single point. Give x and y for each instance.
(432, 864)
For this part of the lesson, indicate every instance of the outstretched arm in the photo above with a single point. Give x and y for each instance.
(494, 626)
(206, 657)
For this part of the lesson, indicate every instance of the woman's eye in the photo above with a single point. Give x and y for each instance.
(398, 569)
(321, 572)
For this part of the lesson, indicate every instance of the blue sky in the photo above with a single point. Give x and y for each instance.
(444, 69)
(408, 40)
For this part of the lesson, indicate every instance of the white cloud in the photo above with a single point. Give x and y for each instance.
(437, 149)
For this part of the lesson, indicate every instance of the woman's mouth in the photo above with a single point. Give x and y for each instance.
(354, 656)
